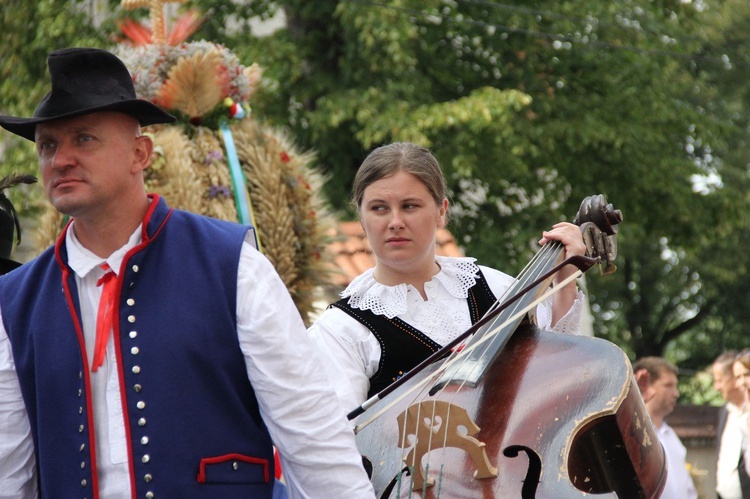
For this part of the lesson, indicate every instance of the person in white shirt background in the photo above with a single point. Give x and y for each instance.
(198, 361)
(741, 371)
(660, 402)
(400, 195)
(729, 473)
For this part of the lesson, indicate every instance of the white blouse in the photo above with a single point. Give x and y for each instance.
(353, 352)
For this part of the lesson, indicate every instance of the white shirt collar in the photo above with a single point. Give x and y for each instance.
(457, 276)
(82, 261)
(733, 408)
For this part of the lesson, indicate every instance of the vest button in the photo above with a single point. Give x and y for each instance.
(83, 482)
(133, 334)
(83, 465)
(131, 319)
(147, 477)
(80, 429)
(134, 351)
(137, 388)
(146, 458)
(142, 422)
(141, 404)
(144, 441)
(135, 268)
(136, 369)
(149, 495)
(130, 302)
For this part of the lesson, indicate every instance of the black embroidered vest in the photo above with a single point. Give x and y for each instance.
(403, 346)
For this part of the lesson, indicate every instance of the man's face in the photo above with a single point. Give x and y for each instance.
(90, 163)
(725, 384)
(665, 394)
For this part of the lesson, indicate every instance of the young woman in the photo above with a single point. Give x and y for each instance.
(396, 314)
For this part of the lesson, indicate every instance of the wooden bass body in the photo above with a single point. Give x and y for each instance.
(556, 416)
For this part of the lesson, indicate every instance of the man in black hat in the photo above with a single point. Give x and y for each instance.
(150, 351)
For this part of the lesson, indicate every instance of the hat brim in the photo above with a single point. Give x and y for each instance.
(145, 112)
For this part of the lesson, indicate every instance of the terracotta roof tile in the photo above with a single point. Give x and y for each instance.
(352, 254)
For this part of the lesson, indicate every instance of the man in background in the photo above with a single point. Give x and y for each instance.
(662, 387)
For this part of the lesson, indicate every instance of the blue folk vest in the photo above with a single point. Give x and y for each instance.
(191, 417)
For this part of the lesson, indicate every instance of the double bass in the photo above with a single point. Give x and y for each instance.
(511, 411)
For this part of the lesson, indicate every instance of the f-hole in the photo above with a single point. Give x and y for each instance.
(533, 473)
(387, 491)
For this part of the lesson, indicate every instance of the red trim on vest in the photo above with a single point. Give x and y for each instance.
(87, 381)
(145, 241)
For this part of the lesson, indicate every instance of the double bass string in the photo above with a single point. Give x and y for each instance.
(534, 269)
(449, 363)
(421, 395)
(459, 356)
(583, 263)
(473, 369)
(547, 248)
(487, 337)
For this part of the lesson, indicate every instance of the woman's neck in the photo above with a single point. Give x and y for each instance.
(390, 276)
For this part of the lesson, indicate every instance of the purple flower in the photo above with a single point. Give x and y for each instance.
(219, 190)
(213, 156)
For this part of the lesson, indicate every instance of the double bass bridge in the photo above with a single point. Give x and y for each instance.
(436, 424)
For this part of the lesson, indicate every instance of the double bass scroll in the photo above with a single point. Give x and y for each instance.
(598, 221)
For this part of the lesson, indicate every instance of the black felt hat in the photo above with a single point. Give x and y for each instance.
(86, 80)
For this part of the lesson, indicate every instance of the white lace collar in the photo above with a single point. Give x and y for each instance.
(457, 275)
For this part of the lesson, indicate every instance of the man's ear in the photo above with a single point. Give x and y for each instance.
(144, 146)
(643, 379)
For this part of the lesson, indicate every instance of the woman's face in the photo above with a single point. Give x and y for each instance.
(400, 219)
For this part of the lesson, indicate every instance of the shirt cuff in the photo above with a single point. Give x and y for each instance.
(570, 323)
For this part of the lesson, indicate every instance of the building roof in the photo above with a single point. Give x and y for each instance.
(694, 422)
(352, 254)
